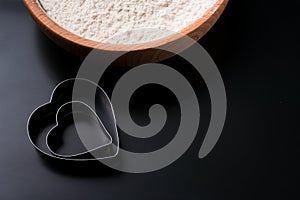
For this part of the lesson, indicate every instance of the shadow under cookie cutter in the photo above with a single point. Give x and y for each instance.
(64, 104)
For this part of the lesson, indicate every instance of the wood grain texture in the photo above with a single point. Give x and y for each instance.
(81, 46)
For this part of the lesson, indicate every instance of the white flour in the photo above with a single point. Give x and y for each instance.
(99, 20)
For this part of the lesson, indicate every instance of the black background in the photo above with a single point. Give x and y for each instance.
(255, 45)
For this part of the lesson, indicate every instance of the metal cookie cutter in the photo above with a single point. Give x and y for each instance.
(64, 108)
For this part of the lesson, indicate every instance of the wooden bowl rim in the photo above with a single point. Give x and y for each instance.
(42, 18)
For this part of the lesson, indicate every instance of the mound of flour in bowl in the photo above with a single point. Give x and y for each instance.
(99, 20)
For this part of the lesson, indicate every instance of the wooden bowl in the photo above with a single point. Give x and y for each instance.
(81, 46)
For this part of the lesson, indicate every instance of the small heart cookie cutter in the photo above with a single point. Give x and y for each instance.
(62, 103)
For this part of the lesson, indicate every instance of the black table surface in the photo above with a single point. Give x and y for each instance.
(255, 45)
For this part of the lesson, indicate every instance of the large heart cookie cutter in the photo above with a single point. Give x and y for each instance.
(63, 103)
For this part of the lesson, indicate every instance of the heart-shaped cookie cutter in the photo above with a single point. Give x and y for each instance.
(63, 103)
